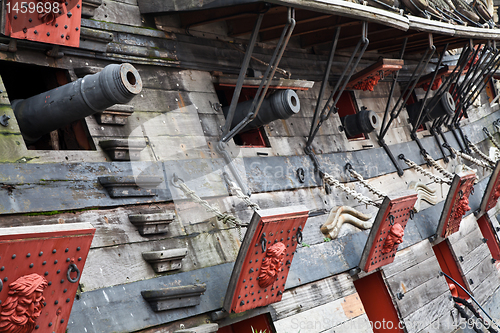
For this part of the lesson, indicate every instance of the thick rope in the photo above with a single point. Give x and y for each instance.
(223, 217)
(438, 167)
(365, 183)
(233, 187)
(492, 139)
(358, 196)
(481, 154)
(432, 176)
(470, 158)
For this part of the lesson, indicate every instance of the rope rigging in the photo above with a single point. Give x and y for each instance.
(223, 217)
(492, 139)
(358, 196)
(481, 154)
(364, 182)
(418, 168)
(438, 167)
(468, 157)
(234, 188)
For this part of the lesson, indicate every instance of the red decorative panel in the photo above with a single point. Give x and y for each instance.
(47, 21)
(456, 204)
(387, 232)
(40, 267)
(492, 192)
(265, 257)
(369, 77)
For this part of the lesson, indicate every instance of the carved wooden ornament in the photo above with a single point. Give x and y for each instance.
(40, 267)
(424, 192)
(265, 257)
(456, 204)
(24, 304)
(492, 192)
(387, 232)
(344, 214)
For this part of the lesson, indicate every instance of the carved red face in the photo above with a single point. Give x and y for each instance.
(462, 207)
(271, 265)
(394, 238)
(24, 304)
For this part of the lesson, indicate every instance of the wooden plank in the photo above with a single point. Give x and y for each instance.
(481, 272)
(118, 12)
(309, 296)
(463, 247)
(490, 282)
(414, 276)
(360, 324)
(475, 256)
(467, 226)
(408, 257)
(352, 305)
(432, 311)
(315, 320)
(205, 249)
(175, 79)
(419, 296)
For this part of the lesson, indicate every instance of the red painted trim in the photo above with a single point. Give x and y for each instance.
(449, 265)
(378, 303)
(486, 228)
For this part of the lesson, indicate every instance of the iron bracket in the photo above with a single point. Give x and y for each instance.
(391, 156)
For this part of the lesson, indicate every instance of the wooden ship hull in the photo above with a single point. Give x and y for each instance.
(239, 165)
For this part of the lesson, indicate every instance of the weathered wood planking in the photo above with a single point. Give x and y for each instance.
(485, 269)
(320, 318)
(205, 249)
(314, 294)
(467, 226)
(123, 309)
(432, 311)
(472, 258)
(466, 246)
(421, 295)
(360, 324)
(172, 79)
(408, 257)
(118, 12)
(414, 276)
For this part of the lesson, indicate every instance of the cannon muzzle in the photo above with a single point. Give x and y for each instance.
(280, 105)
(48, 111)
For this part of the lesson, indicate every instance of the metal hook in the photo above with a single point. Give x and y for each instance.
(174, 180)
(263, 242)
(391, 220)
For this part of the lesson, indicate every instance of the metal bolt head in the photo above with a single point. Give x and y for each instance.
(4, 120)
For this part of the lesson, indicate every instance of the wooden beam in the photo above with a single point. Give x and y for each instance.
(421, 43)
(275, 21)
(302, 27)
(194, 18)
(274, 18)
(315, 38)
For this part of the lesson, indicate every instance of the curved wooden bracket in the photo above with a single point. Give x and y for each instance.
(424, 193)
(344, 214)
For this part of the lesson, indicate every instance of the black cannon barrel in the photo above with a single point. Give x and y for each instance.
(281, 105)
(48, 111)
